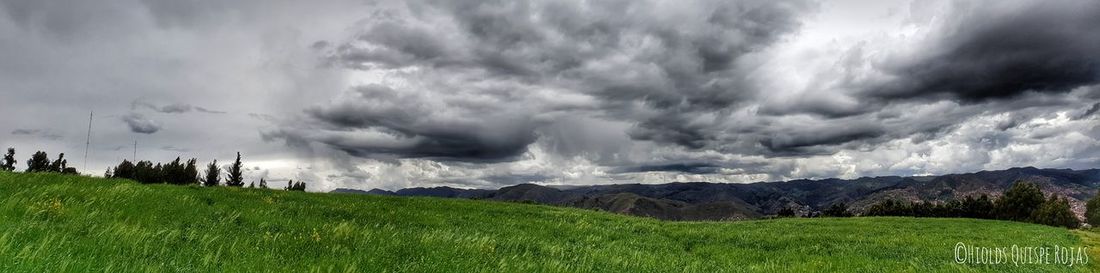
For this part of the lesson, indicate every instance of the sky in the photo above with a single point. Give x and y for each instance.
(484, 94)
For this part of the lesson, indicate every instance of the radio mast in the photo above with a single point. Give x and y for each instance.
(88, 140)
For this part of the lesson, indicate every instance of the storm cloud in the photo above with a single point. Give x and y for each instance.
(1000, 49)
(421, 93)
(659, 65)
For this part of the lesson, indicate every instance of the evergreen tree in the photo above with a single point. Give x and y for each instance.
(109, 173)
(213, 174)
(9, 161)
(263, 183)
(125, 170)
(1055, 212)
(146, 172)
(173, 172)
(190, 173)
(39, 162)
(292, 186)
(234, 176)
(1019, 202)
(1092, 211)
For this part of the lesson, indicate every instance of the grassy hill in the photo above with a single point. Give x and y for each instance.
(51, 223)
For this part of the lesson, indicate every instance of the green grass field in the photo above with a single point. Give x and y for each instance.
(51, 223)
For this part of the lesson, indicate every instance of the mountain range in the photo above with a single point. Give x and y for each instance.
(729, 201)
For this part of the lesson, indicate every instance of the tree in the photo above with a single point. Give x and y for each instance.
(785, 212)
(1092, 211)
(234, 177)
(59, 164)
(837, 210)
(9, 161)
(263, 183)
(1019, 202)
(291, 186)
(1055, 212)
(173, 172)
(146, 172)
(39, 162)
(190, 173)
(213, 174)
(888, 207)
(980, 208)
(125, 170)
(109, 173)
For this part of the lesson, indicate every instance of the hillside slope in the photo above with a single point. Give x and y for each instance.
(767, 198)
(51, 223)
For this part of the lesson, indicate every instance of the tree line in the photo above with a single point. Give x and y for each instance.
(1023, 202)
(38, 163)
(176, 172)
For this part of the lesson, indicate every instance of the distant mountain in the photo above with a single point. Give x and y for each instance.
(345, 190)
(723, 201)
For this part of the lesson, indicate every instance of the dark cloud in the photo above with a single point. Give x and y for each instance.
(807, 141)
(381, 121)
(514, 179)
(44, 134)
(998, 52)
(485, 93)
(171, 108)
(175, 149)
(692, 168)
(138, 123)
(208, 111)
(659, 66)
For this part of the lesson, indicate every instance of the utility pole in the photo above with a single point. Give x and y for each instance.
(88, 141)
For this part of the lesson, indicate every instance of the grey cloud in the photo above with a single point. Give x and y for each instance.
(513, 179)
(805, 140)
(485, 93)
(208, 111)
(170, 108)
(658, 66)
(1091, 111)
(692, 168)
(381, 121)
(175, 149)
(1001, 49)
(45, 134)
(138, 123)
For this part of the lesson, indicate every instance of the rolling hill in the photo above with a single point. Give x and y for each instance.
(54, 223)
(720, 201)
